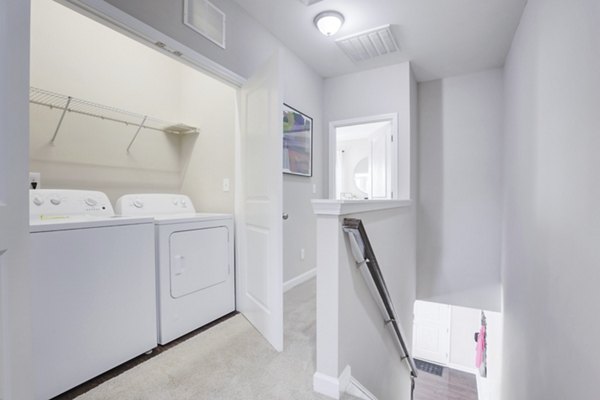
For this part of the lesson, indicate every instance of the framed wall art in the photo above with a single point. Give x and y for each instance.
(297, 142)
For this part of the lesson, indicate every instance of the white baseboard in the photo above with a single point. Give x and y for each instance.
(357, 390)
(326, 385)
(334, 387)
(348, 384)
(300, 279)
(344, 379)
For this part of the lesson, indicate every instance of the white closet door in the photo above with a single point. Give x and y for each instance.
(431, 332)
(259, 204)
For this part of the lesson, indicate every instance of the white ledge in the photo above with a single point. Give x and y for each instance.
(344, 207)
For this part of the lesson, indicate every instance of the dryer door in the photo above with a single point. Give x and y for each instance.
(199, 259)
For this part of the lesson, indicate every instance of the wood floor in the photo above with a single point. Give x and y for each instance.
(452, 385)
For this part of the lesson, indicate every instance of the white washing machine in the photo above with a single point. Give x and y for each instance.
(93, 288)
(194, 261)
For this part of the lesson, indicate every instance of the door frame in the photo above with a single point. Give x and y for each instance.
(395, 151)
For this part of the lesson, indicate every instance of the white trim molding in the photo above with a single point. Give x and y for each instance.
(348, 384)
(300, 279)
(326, 385)
(356, 389)
(344, 207)
(395, 151)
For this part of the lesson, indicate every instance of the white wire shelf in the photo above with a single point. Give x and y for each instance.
(70, 104)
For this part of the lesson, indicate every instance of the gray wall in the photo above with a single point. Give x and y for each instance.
(392, 233)
(460, 141)
(303, 90)
(374, 92)
(249, 44)
(551, 267)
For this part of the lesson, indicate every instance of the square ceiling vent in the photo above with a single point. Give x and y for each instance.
(369, 44)
(206, 19)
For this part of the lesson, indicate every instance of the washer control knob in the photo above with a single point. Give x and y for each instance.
(91, 202)
(38, 201)
(55, 201)
(138, 203)
(176, 201)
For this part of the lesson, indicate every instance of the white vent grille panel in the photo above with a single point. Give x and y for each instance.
(369, 44)
(206, 19)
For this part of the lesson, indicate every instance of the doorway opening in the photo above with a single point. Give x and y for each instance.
(458, 350)
(364, 158)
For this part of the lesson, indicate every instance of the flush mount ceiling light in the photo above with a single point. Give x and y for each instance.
(329, 22)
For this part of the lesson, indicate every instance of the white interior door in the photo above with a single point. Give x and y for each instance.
(259, 206)
(431, 332)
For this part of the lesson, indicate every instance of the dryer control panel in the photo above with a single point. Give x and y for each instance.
(63, 203)
(154, 204)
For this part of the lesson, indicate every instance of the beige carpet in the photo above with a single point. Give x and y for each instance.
(229, 361)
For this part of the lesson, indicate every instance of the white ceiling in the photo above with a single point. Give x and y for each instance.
(441, 37)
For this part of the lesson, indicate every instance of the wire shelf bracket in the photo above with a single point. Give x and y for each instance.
(60, 121)
(137, 133)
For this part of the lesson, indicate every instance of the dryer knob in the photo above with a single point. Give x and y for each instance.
(183, 203)
(138, 204)
(38, 201)
(176, 202)
(55, 201)
(91, 202)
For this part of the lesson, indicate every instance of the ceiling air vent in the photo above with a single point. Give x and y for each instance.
(206, 19)
(369, 44)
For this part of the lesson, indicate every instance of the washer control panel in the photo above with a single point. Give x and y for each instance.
(153, 204)
(67, 203)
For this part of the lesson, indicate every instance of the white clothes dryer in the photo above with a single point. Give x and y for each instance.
(93, 288)
(194, 261)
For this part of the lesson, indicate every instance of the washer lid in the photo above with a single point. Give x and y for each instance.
(61, 223)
